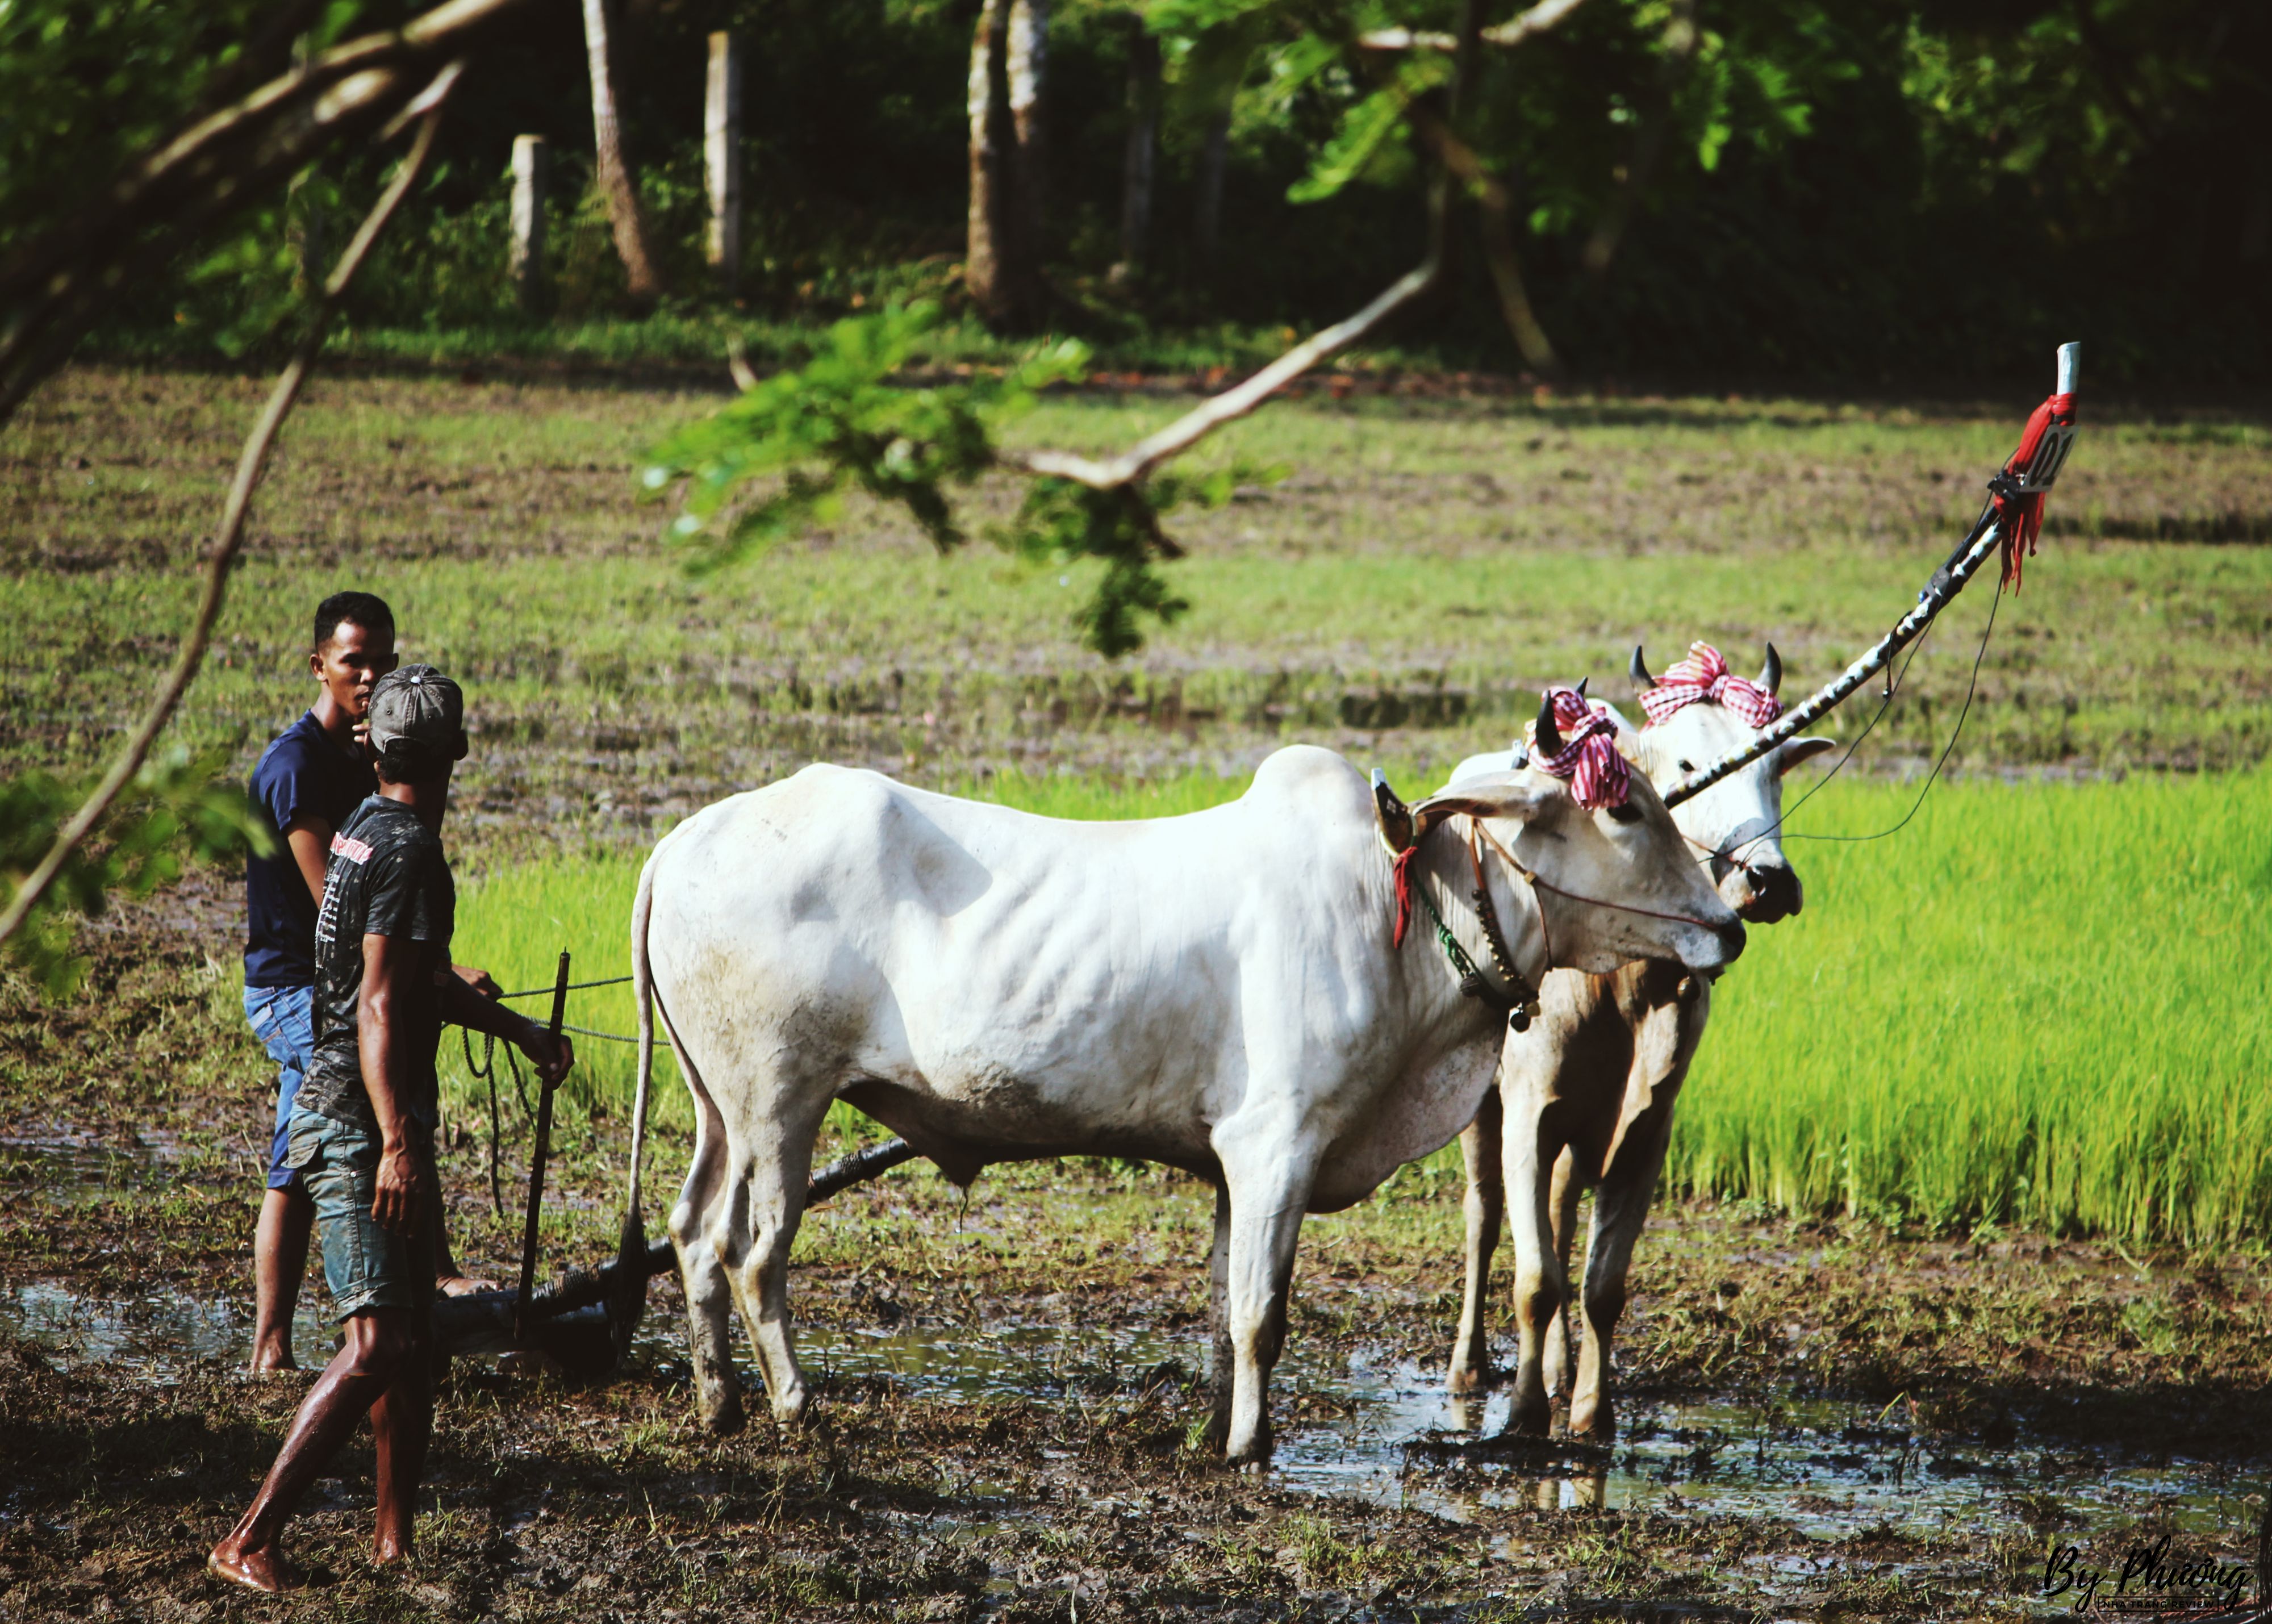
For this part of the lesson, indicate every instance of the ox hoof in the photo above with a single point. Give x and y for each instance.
(1249, 1455)
(723, 1418)
(793, 1411)
(1531, 1421)
(1470, 1378)
(1600, 1427)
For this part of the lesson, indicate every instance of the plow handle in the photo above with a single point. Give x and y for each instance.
(536, 1165)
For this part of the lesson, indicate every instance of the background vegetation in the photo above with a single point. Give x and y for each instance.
(1852, 190)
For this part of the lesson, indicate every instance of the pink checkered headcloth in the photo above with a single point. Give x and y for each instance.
(1704, 674)
(1588, 757)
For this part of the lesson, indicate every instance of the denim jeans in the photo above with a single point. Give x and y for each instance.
(283, 1018)
(366, 1266)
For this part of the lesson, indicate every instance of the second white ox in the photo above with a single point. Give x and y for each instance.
(1584, 1099)
(1216, 992)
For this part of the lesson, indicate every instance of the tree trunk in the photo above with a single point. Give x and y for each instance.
(1679, 44)
(642, 282)
(998, 261)
(1207, 204)
(1025, 61)
(1140, 161)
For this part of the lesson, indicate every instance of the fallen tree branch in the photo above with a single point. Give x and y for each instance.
(1524, 25)
(230, 536)
(1236, 402)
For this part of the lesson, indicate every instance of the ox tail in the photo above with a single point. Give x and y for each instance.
(627, 1299)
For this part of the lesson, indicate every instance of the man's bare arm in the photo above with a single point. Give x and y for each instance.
(393, 970)
(309, 840)
(461, 1005)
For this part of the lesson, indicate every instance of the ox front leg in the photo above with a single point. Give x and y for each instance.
(1539, 1292)
(1567, 1188)
(1221, 1361)
(1267, 1196)
(1486, 1207)
(1620, 1209)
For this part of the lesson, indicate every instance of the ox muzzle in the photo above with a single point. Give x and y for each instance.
(1753, 876)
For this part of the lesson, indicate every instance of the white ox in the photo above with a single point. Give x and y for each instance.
(1216, 992)
(1585, 1097)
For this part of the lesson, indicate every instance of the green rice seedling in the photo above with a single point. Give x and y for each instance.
(2038, 1003)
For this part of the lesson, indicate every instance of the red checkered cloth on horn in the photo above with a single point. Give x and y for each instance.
(1588, 757)
(2022, 516)
(1704, 674)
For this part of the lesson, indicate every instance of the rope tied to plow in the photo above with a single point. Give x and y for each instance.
(1704, 674)
(2020, 491)
(1589, 761)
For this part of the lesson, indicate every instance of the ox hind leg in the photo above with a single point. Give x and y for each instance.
(768, 1203)
(1267, 1180)
(701, 1232)
(1620, 1209)
(1566, 1189)
(1485, 1207)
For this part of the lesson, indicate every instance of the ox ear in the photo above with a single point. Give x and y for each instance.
(1792, 751)
(1390, 813)
(1521, 796)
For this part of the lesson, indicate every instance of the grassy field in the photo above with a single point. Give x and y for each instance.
(1428, 564)
(2037, 1009)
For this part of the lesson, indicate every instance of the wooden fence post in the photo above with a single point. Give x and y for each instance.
(532, 159)
(721, 153)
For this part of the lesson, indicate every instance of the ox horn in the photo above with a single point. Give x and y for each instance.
(1639, 671)
(1548, 740)
(1771, 673)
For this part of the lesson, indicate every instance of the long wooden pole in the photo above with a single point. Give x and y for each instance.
(1974, 551)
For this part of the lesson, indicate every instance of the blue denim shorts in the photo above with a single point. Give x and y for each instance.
(283, 1018)
(365, 1265)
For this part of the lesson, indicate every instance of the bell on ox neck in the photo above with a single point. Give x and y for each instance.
(1518, 1019)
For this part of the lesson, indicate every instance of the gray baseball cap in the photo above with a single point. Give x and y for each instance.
(417, 706)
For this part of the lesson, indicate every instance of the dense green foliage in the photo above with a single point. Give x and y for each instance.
(174, 808)
(1857, 189)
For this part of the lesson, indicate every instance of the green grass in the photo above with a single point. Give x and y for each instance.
(2038, 1005)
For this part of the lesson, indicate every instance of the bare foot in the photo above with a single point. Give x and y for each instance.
(460, 1285)
(268, 1361)
(256, 1570)
(385, 1551)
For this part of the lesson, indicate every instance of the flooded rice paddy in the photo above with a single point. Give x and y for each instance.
(1832, 1468)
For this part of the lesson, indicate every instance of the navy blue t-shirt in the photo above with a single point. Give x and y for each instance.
(301, 775)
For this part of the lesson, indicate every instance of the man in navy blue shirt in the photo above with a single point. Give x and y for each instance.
(315, 773)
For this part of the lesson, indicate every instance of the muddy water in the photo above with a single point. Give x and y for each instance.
(1397, 1438)
(1831, 1468)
